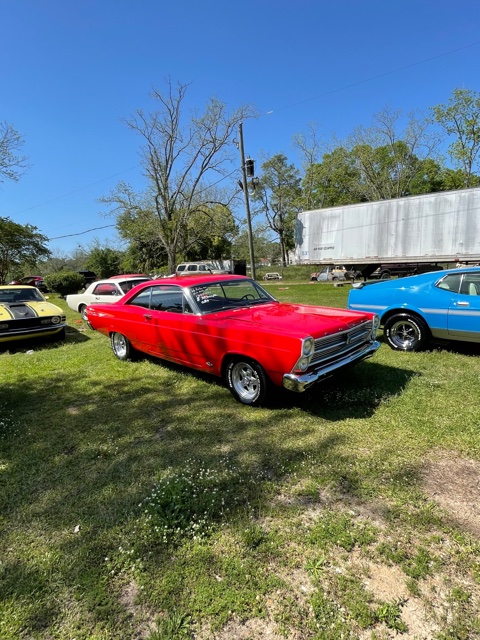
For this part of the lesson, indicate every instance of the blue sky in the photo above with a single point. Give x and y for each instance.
(70, 71)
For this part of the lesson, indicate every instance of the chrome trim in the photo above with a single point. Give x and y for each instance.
(52, 328)
(342, 343)
(439, 311)
(300, 383)
(470, 313)
(369, 307)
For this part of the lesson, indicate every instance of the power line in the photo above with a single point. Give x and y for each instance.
(70, 193)
(81, 233)
(380, 75)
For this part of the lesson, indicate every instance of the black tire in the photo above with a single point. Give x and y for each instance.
(121, 347)
(385, 275)
(247, 381)
(334, 279)
(406, 332)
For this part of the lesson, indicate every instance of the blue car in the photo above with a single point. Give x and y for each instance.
(440, 305)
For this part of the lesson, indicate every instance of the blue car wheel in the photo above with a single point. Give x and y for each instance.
(406, 332)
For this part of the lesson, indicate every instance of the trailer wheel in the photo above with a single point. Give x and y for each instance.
(406, 332)
(385, 275)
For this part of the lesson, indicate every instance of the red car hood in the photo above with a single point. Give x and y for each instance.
(299, 318)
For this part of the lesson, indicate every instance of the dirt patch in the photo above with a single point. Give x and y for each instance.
(253, 629)
(447, 479)
(454, 484)
(386, 583)
(142, 617)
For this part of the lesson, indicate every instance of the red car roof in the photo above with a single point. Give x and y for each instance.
(188, 281)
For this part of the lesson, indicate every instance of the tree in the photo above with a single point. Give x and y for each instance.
(434, 177)
(389, 159)
(144, 255)
(178, 158)
(11, 163)
(19, 245)
(278, 193)
(332, 182)
(262, 244)
(461, 119)
(209, 234)
(104, 261)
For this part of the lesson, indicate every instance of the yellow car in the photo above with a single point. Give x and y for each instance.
(25, 313)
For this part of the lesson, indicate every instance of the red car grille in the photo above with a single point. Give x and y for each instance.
(341, 344)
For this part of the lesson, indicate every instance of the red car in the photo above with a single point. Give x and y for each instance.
(231, 327)
(32, 281)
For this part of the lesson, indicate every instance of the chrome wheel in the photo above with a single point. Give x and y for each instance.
(121, 346)
(247, 381)
(405, 332)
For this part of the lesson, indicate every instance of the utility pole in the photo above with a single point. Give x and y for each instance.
(247, 201)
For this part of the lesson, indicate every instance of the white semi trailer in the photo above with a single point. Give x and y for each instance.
(393, 237)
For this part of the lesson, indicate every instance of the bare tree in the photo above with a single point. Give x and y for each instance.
(310, 147)
(12, 164)
(180, 159)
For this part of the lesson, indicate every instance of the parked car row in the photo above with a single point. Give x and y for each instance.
(231, 327)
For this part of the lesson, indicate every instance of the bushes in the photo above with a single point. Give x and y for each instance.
(64, 282)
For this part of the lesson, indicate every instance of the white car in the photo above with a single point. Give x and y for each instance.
(103, 291)
(328, 274)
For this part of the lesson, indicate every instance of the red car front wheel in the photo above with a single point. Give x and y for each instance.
(247, 381)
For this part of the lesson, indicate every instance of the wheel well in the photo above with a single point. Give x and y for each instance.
(394, 312)
(229, 357)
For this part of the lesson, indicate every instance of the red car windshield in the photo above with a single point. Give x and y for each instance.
(231, 294)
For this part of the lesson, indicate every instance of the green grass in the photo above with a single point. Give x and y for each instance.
(139, 500)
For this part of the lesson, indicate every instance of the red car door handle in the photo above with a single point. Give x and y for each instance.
(147, 316)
